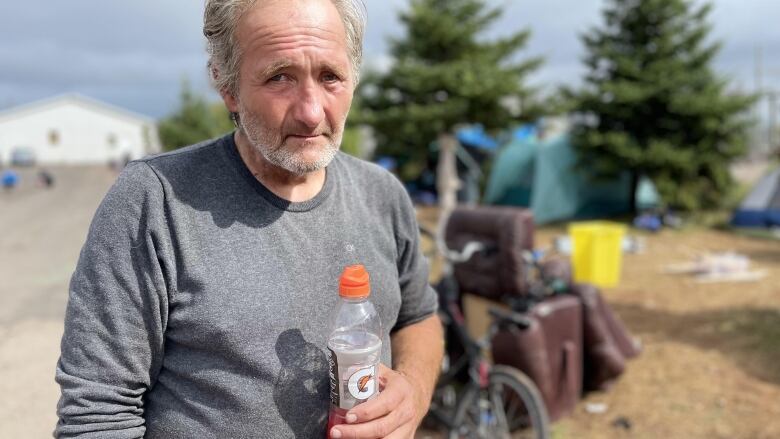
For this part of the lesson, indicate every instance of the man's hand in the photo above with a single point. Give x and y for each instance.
(394, 414)
(405, 392)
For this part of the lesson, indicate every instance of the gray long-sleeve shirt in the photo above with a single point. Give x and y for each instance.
(200, 303)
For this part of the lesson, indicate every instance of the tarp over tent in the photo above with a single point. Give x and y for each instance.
(541, 174)
(475, 136)
(761, 208)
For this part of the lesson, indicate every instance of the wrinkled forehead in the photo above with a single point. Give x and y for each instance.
(272, 21)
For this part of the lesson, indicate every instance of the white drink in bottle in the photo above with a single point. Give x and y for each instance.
(354, 345)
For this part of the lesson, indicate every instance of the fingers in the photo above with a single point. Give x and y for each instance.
(377, 428)
(383, 372)
(391, 414)
(382, 383)
(402, 433)
(391, 397)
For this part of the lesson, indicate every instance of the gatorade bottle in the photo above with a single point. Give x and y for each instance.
(354, 346)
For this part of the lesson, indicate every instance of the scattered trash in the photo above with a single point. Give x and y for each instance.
(673, 220)
(45, 179)
(648, 221)
(654, 220)
(634, 244)
(718, 267)
(596, 408)
(748, 276)
(10, 179)
(562, 244)
(622, 422)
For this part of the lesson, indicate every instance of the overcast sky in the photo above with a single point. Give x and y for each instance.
(134, 54)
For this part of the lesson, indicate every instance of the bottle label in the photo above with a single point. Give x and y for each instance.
(362, 383)
(333, 362)
(352, 384)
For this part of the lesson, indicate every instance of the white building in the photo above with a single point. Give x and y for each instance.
(74, 129)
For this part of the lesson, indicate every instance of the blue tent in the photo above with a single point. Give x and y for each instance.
(761, 208)
(541, 174)
(476, 137)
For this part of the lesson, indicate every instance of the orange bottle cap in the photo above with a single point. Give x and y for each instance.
(354, 282)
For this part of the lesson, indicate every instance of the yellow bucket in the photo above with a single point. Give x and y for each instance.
(597, 252)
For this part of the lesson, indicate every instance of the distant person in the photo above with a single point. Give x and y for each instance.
(10, 180)
(45, 179)
(200, 304)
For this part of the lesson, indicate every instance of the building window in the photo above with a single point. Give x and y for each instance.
(54, 137)
(111, 139)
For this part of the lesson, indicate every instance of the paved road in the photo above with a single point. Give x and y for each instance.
(41, 233)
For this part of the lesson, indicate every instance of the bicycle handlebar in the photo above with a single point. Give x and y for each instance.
(502, 316)
(454, 256)
(499, 318)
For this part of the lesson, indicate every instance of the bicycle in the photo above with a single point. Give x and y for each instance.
(474, 398)
(546, 277)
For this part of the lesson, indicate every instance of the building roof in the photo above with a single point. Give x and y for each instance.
(74, 99)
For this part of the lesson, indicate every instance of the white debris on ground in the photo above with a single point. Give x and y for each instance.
(717, 267)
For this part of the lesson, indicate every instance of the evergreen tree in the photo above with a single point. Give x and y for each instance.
(652, 104)
(194, 121)
(444, 74)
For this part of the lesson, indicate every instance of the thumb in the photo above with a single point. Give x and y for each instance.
(384, 373)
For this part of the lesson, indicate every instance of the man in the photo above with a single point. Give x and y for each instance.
(200, 304)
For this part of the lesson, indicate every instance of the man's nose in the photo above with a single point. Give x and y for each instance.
(308, 107)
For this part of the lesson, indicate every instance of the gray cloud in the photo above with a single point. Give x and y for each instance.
(134, 54)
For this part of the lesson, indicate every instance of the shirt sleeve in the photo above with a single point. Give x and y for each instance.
(418, 299)
(117, 311)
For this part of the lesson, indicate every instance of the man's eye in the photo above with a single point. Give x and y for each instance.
(330, 77)
(278, 78)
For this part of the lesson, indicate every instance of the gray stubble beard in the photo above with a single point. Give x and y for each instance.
(263, 141)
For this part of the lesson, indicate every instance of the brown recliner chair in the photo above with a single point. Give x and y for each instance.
(506, 232)
(550, 350)
(575, 343)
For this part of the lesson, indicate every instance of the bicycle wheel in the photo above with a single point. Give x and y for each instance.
(510, 407)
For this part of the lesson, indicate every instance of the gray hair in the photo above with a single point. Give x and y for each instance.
(221, 18)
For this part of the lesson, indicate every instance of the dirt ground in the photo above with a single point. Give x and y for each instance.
(710, 366)
(711, 361)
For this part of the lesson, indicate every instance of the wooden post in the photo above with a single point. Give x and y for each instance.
(447, 183)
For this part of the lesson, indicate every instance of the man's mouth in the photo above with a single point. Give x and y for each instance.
(305, 136)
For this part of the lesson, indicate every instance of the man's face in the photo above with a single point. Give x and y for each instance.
(296, 83)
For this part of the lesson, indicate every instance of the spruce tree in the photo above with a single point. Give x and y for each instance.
(444, 74)
(653, 105)
(194, 121)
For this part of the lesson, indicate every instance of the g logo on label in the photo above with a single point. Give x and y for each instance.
(362, 383)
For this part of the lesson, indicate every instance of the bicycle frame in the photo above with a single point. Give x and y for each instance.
(472, 360)
(477, 381)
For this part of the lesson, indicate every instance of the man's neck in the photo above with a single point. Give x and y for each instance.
(283, 183)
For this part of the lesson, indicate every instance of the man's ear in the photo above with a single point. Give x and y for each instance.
(231, 103)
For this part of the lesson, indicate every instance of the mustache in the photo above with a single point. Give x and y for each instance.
(305, 133)
(297, 130)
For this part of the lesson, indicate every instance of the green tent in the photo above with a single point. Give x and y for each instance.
(540, 174)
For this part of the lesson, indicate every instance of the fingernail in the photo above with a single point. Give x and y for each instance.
(351, 417)
(335, 434)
